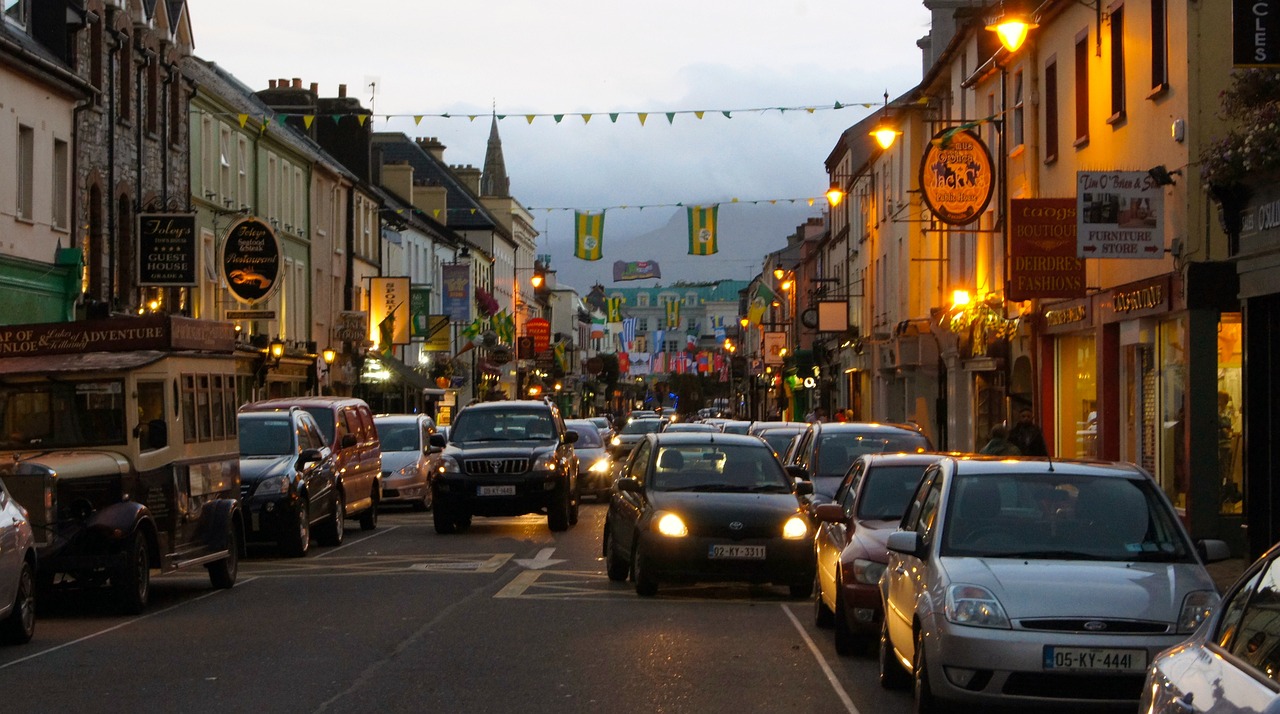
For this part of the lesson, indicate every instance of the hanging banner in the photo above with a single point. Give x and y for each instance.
(704, 229)
(1119, 214)
(455, 298)
(251, 260)
(389, 312)
(957, 177)
(1255, 33)
(588, 231)
(437, 338)
(167, 249)
(419, 312)
(635, 270)
(1042, 249)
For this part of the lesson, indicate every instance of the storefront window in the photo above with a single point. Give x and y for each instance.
(1230, 466)
(1171, 468)
(1077, 397)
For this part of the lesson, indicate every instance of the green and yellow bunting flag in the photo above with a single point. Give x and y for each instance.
(588, 231)
(615, 309)
(702, 230)
(673, 314)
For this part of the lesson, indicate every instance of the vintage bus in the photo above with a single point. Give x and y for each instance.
(118, 436)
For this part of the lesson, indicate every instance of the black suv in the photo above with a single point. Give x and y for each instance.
(506, 459)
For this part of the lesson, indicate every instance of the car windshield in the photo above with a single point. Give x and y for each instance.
(1061, 517)
(836, 451)
(718, 467)
(58, 415)
(887, 491)
(495, 425)
(399, 436)
(588, 437)
(642, 426)
(778, 439)
(272, 436)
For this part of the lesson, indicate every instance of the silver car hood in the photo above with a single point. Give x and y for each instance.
(396, 460)
(1057, 588)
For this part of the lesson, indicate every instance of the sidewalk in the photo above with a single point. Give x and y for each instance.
(1226, 572)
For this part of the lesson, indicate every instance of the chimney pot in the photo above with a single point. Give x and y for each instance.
(297, 83)
(342, 91)
(315, 88)
(271, 84)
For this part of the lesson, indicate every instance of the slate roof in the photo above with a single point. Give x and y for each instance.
(465, 210)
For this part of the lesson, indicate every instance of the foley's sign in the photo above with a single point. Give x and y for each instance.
(251, 260)
(957, 177)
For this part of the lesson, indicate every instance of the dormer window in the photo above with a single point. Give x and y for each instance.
(17, 12)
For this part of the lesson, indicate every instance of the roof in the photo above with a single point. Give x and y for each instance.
(286, 402)
(678, 438)
(717, 291)
(473, 215)
(509, 404)
(997, 465)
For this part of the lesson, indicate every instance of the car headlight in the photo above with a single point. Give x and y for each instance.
(867, 572)
(795, 528)
(671, 525)
(615, 441)
(407, 471)
(544, 462)
(601, 466)
(273, 486)
(974, 606)
(449, 465)
(1196, 607)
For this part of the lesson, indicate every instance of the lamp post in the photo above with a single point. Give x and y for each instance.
(787, 284)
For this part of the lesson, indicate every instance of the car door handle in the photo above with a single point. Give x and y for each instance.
(1183, 704)
(900, 569)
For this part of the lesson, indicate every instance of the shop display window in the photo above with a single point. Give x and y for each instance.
(1230, 460)
(1077, 397)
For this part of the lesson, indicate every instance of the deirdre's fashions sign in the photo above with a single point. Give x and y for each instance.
(957, 177)
(1042, 249)
(251, 260)
(167, 249)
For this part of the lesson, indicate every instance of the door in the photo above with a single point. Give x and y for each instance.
(10, 559)
(905, 574)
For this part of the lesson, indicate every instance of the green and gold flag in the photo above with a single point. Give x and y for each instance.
(588, 231)
(615, 309)
(673, 314)
(702, 230)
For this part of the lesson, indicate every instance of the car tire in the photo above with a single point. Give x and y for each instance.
(925, 701)
(297, 540)
(332, 531)
(222, 574)
(822, 615)
(558, 512)
(892, 675)
(132, 580)
(369, 519)
(801, 590)
(442, 518)
(615, 567)
(573, 508)
(20, 626)
(646, 584)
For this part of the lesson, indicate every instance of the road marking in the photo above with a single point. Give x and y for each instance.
(381, 565)
(356, 541)
(593, 585)
(542, 560)
(449, 564)
(822, 662)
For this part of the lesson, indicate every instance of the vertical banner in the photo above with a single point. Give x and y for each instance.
(1042, 249)
(673, 314)
(615, 309)
(1255, 26)
(1119, 214)
(588, 234)
(419, 312)
(703, 229)
(389, 312)
(775, 344)
(167, 249)
(540, 330)
(455, 299)
(437, 337)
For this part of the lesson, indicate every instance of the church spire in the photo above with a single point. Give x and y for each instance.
(494, 181)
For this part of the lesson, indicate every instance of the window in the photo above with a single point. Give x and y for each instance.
(61, 177)
(1082, 89)
(175, 110)
(224, 162)
(153, 95)
(1051, 111)
(1117, 65)
(124, 68)
(642, 324)
(17, 12)
(95, 57)
(26, 170)
(1018, 105)
(242, 170)
(642, 300)
(1159, 45)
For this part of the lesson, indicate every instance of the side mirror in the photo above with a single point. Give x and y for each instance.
(629, 484)
(308, 456)
(348, 441)
(437, 443)
(830, 513)
(905, 542)
(1213, 551)
(571, 437)
(798, 472)
(804, 488)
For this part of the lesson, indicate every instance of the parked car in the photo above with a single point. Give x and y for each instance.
(693, 426)
(698, 507)
(595, 468)
(1037, 583)
(407, 458)
(631, 434)
(506, 458)
(288, 485)
(779, 438)
(17, 572)
(348, 428)
(827, 450)
(735, 426)
(1232, 662)
(850, 543)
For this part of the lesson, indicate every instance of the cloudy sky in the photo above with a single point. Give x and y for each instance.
(576, 57)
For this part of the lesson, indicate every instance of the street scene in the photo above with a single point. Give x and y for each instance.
(832, 358)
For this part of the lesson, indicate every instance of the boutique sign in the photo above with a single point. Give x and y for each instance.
(1256, 33)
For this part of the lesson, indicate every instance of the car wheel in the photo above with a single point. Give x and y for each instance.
(892, 675)
(847, 643)
(369, 519)
(222, 574)
(297, 539)
(332, 531)
(573, 508)
(646, 584)
(424, 504)
(462, 521)
(442, 518)
(558, 512)
(925, 701)
(20, 626)
(132, 582)
(822, 615)
(614, 565)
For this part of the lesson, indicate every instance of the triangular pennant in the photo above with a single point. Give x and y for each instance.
(307, 119)
(282, 118)
(244, 119)
(362, 118)
(699, 114)
(809, 109)
(613, 117)
(727, 115)
(557, 117)
(529, 117)
(586, 118)
(642, 116)
(436, 213)
(417, 119)
(336, 118)
(838, 106)
(671, 117)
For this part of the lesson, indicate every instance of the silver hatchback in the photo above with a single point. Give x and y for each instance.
(1033, 583)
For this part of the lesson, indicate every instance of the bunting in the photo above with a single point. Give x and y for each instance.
(702, 230)
(673, 314)
(615, 309)
(588, 235)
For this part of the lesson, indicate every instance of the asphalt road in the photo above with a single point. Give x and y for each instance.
(507, 617)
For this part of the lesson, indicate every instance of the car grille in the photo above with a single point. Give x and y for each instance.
(743, 532)
(483, 467)
(1091, 626)
(1075, 686)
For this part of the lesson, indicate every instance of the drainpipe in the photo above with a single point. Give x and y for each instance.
(117, 37)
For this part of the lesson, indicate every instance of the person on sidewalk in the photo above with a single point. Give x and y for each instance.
(999, 445)
(1027, 436)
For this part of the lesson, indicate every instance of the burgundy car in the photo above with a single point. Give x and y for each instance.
(850, 544)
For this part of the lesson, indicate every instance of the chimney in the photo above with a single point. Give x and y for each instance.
(432, 146)
(342, 91)
(271, 84)
(315, 89)
(297, 83)
(397, 177)
(469, 176)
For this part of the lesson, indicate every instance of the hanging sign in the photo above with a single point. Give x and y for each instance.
(1119, 214)
(389, 311)
(1042, 249)
(455, 298)
(957, 177)
(540, 330)
(251, 260)
(775, 345)
(1255, 33)
(167, 249)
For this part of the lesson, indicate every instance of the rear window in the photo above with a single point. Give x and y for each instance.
(588, 437)
(888, 491)
(642, 426)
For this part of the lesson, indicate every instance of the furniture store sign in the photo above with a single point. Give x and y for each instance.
(1119, 214)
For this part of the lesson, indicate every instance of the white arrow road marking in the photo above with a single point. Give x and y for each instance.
(543, 560)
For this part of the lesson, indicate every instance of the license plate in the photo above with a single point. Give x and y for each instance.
(1094, 659)
(736, 552)
(495, 490)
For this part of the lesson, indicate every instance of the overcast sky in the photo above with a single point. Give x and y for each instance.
(573, 57)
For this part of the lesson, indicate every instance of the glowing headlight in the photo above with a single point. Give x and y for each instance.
(601, 466)
(448, 464)
(1196, 607)
(545, 462)
(795, 528)
(975, 606)
(615, 440)
(669, 524)
(405, 471)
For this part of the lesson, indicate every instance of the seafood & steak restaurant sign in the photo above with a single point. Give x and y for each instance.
(251, 260)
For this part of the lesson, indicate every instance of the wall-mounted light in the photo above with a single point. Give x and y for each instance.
(1163, 176)
(275, 350)
(885, 131)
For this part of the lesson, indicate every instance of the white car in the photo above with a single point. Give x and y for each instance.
(17, 572)
(1232, 663)
(1037, 584)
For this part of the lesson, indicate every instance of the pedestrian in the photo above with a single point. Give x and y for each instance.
(1027, 436)
(999, 444)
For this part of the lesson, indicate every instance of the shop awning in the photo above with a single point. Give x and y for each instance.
(403, 372)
